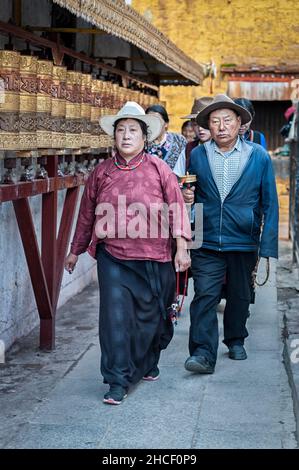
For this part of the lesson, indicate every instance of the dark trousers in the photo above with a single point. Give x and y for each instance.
(208, 269)
(134, 326)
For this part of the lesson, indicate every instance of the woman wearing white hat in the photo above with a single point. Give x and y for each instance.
(136, 277)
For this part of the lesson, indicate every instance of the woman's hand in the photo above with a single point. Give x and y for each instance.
(70, 262)
(188, 195)
(182, 260)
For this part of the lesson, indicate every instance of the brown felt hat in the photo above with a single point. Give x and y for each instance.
(221, 102)
(198, 105)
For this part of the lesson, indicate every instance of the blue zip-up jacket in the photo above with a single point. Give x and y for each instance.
(235, 224)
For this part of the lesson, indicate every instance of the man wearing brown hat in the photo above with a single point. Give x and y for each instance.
(236, 186)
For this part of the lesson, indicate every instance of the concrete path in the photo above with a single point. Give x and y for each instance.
(244, 404)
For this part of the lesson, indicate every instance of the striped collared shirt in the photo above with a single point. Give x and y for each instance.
(226, 167)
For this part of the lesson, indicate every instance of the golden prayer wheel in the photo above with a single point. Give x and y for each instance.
(187, 180)
(44, 103)
(122, 96)
(95, 113)
(116, 97)
(86, 101)
(9, 99)
(102, 89)
(58, 106)
(108, 98)
(73, 110)
(98, 137)
(28, 102)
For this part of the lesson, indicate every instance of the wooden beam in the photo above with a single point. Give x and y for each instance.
(17, 12)
(13, 192)
(59, 49)
(67, 30)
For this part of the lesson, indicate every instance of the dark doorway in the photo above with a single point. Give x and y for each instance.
(269, 118)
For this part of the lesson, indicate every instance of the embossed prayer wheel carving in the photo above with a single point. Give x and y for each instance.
(95, 114)
(108, 98)
(28, 100)
(44, 103)
(86, 102)
(115, 97)
(58, 106)
(45, 106)
(73, 110)
(122, 96)
(10, 99)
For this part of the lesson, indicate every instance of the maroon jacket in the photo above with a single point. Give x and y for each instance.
(189, 147)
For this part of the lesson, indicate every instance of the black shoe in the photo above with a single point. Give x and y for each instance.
(152, 375)
(237, 352)
(116, 395)
(199, 364)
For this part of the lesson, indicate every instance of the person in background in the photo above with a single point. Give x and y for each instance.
(188, 131)
(135, 271)
(168, 145)
(245, 131)
(202, 135)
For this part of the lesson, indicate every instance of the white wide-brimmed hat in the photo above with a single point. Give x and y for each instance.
(132, 110)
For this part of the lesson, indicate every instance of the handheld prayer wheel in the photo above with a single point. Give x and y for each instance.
(187, 180)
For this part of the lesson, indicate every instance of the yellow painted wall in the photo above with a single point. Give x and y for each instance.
(265, 32)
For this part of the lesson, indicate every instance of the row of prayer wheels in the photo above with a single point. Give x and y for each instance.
(43, 105)
(29, 165)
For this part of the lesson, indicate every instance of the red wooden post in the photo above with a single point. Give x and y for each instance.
(36, 270)
(64, 234)
(49, 230)
(45, 265)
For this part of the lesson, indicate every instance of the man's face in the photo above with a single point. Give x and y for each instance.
(224, 125)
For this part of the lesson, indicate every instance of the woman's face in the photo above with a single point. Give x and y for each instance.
(164, 125)
(129, 139)
(189, 133)
(202, 134)
(244, 128)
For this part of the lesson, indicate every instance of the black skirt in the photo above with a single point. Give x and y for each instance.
(134, 325)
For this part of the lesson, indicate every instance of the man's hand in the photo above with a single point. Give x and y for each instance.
(188, 195)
